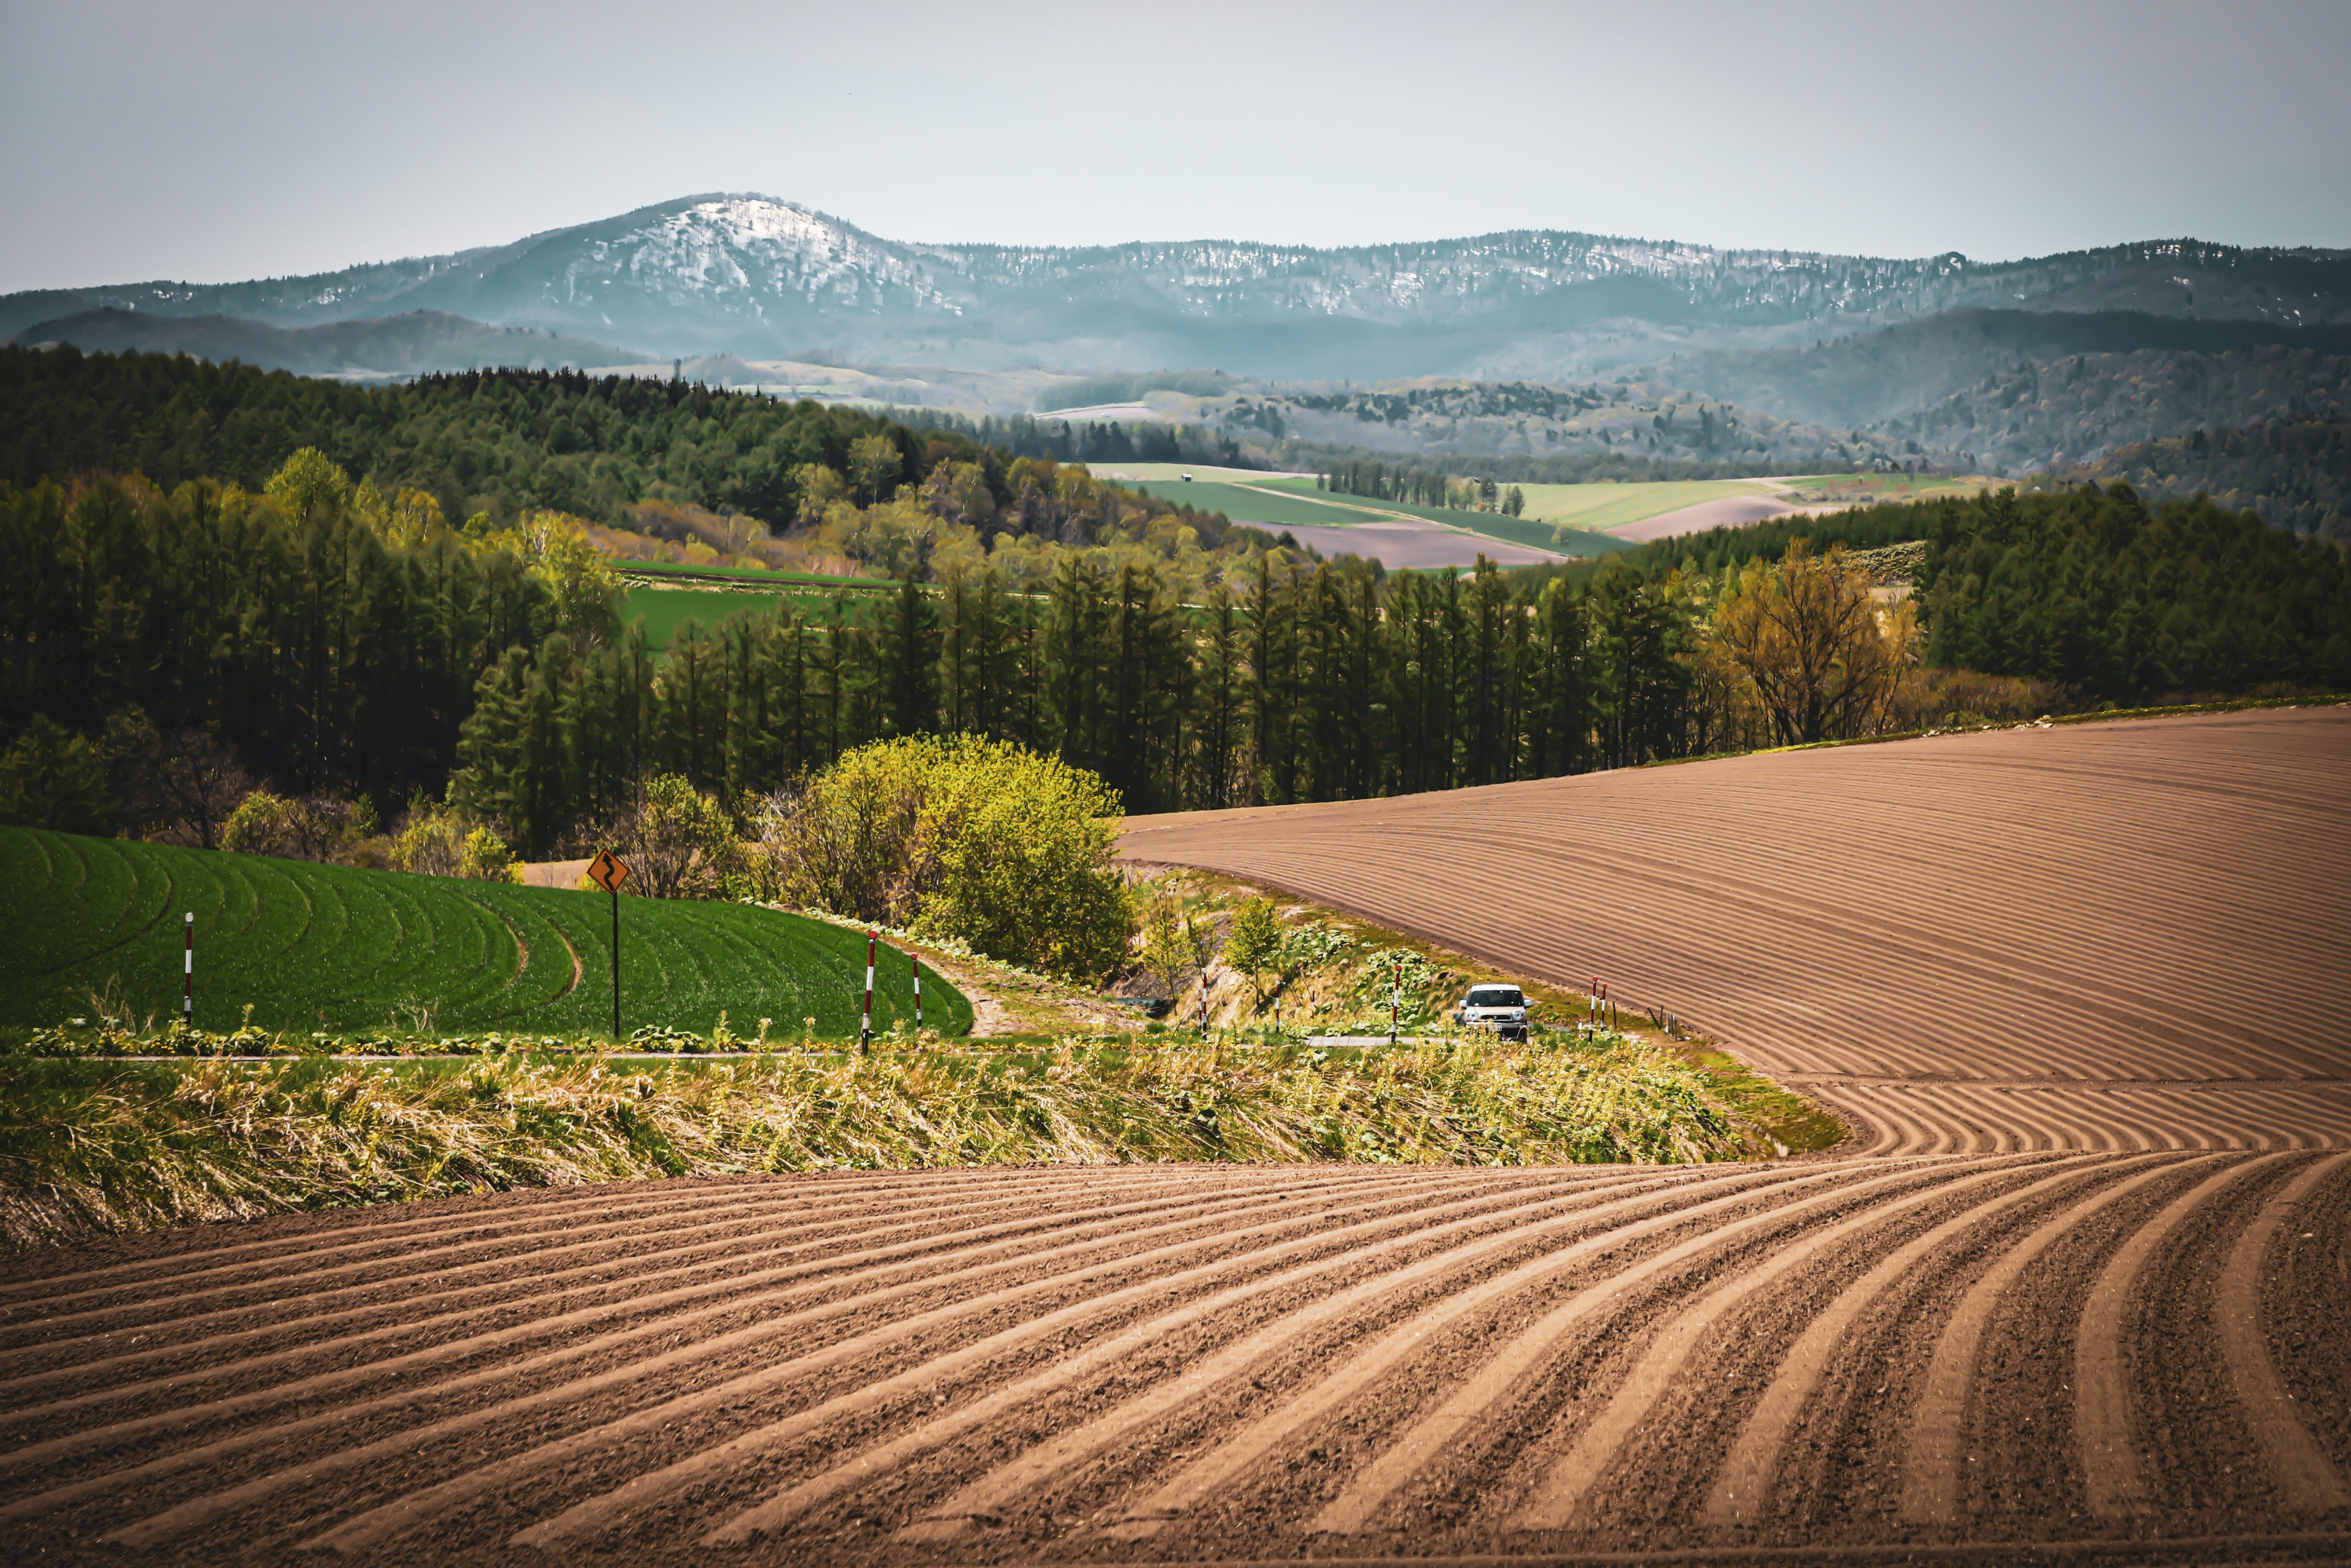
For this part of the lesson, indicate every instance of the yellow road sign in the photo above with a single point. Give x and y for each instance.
(607, 872)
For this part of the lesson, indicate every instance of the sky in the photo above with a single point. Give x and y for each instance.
(217, 142)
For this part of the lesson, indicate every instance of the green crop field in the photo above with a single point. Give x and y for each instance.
(329, 948)
(1250, 504)
(752, 574)
(664, 609)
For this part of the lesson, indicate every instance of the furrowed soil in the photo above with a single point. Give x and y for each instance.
(2120, 936)
(2102, 1320)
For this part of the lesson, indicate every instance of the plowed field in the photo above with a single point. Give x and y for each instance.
(2125, 935)
(1994, 1354)
(1173, 1363)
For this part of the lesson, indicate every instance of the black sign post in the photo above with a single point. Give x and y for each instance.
(607, 873)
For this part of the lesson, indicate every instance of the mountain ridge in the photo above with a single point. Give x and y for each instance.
(753, 275)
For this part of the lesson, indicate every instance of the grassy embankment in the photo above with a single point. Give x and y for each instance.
(96, 1145)
(1344, 966)
(89, 1147)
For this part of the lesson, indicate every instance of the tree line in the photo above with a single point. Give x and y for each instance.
(2296, 473)
(1389, 479)
(504, 443)
(348, 639)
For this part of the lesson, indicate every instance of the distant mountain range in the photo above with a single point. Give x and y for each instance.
(1550, 350)
(765, 278)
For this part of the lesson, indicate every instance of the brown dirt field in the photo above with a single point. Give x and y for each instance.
(2106, 1321)
(2120, 936)
(1824, 1359)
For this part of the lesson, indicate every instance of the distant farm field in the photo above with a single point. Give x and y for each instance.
(329, 948)
(1252, 504)
(664, 609)
(1601, 507)
(1126, 473)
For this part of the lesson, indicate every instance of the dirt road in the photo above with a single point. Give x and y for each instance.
(1985, 1355)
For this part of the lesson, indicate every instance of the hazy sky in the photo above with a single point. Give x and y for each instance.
(214, 142)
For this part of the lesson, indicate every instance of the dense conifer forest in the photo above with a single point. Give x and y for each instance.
(341, 634)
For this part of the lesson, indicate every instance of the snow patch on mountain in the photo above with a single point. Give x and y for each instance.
(743, 255)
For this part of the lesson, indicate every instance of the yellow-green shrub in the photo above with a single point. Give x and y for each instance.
(975, 840)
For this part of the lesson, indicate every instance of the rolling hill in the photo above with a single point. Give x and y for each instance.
(330, 947)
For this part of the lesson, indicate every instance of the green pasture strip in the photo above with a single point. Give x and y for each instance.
(757, 575)
(1518, 530)
(1890, 486)
(1603, 506)
(94, 1146)
(1261, 507)
(664, 609)
(332, 948)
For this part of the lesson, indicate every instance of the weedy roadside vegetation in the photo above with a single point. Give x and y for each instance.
(89, 1147)
(1278, 971)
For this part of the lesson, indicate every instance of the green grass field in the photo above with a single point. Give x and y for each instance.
(758, 574)
(664, 609)
(329, 948)
(1874, 488)
(1603, 506)
(1264, 507)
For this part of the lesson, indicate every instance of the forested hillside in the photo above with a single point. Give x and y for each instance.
(414, 342)
(1870, 378)
(502, 443)
(2295, 473)
(344, 644)
(2066, 414)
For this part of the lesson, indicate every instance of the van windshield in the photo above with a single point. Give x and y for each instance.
(1495, 996)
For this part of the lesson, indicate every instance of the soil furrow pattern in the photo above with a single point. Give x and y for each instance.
(2072, 1290)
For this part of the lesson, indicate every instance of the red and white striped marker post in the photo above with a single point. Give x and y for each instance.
(917, 959)
(865, 1030)
(1395, 1000)
(188, 976)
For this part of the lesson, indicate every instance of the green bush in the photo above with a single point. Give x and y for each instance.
(978, 841)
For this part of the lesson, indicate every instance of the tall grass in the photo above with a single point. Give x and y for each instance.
(100, 1146)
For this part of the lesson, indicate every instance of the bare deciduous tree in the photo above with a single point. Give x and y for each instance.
(1825, 655)
(191, 781)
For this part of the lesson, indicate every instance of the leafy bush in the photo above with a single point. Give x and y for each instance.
(978, 841)
(1253, 950)
(1174, 944)
(679, 841)
(314, 828)
(52, 777)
